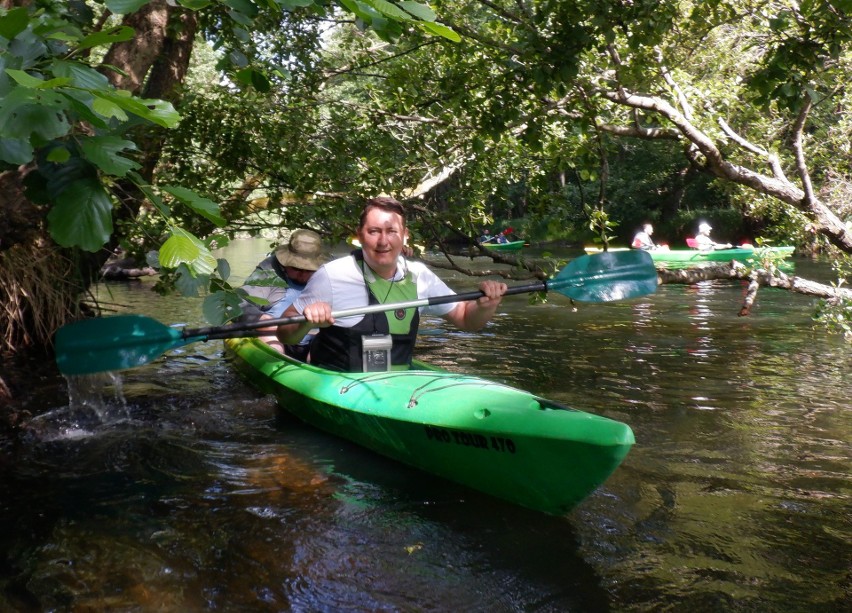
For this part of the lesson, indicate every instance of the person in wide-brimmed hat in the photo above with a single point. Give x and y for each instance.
(279, 279)
(304, 252)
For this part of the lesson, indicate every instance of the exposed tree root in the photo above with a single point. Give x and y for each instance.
(36, 289)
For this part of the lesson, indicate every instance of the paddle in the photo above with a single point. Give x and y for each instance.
(127, 341)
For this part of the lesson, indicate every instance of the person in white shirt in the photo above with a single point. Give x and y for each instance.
(703, 240)
(643, 239)
(378, 274)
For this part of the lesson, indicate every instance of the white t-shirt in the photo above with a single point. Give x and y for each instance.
(704, 242)
(341, 284)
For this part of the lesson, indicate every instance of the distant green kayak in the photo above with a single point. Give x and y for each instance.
(493, 438)
(510, 246)
(688, 257)
(693, 256)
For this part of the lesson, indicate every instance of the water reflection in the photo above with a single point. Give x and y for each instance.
(189, 491)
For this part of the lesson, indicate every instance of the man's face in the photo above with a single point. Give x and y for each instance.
(299, 275)
(382, 237)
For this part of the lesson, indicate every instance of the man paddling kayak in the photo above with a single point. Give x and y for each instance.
(704, 242)
(643, 239)
(378, 274)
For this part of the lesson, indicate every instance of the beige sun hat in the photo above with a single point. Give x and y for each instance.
(303, 251)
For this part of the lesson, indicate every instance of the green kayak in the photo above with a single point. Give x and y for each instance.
(693, 256)
(510, 246)
(689, 257)
(491, 437)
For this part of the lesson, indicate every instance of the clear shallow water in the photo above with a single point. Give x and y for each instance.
(181, 488)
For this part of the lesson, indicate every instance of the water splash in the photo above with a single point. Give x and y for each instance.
(94, 401)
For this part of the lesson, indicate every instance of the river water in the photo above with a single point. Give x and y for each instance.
(177, 487)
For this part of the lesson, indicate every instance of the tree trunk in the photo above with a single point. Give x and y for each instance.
(135, 57)
(166, 77)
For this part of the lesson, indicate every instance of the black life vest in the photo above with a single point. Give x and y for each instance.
(339, 348)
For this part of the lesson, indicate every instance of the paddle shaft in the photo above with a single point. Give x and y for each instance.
(128, 341)
(250, 328)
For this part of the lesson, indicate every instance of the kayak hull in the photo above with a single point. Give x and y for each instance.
(689, 257)
(510, 246)
(693, 256)
(493, 438)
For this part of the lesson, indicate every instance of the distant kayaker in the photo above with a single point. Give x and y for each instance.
(703, 240)
(378, 274)
(486, 236)
(278, 280)
(643, 239)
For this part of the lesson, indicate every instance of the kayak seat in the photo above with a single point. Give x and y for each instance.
(691, 242)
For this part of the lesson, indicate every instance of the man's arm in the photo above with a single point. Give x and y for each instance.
(474, 314)
(318, 315)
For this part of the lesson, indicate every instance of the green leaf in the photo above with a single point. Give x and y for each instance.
(28, 49)
(108, 109)
(72, 39)
(195, 5)
(188, 283)
(441, 30)
(161, 113)
(117, 35)
(81, 75)
(242, 35)
(245, 7)
(203, 206)
(59, 177)
(158, 111)
(238, 58)
(421, 11)
(152, 258)
(178, 249)
(82, 216)
(59, 155)
(221, 307)
(15, 151)
(14, 22)
(240, 18)
(33, 111)
(289, 5)
(26, 80)
(80, 102)
(389, 9)
(355, 8)
(125, 7)
(224, 268)
(184, 248)
(254, 78)
(103, 151)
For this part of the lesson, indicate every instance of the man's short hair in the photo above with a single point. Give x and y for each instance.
(386, 203)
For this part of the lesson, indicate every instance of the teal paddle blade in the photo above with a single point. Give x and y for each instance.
(113, 343)
(607, 276)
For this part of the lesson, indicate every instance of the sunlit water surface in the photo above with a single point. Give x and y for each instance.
(177, 487)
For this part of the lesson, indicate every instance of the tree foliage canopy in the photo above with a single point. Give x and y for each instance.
(565, 113)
